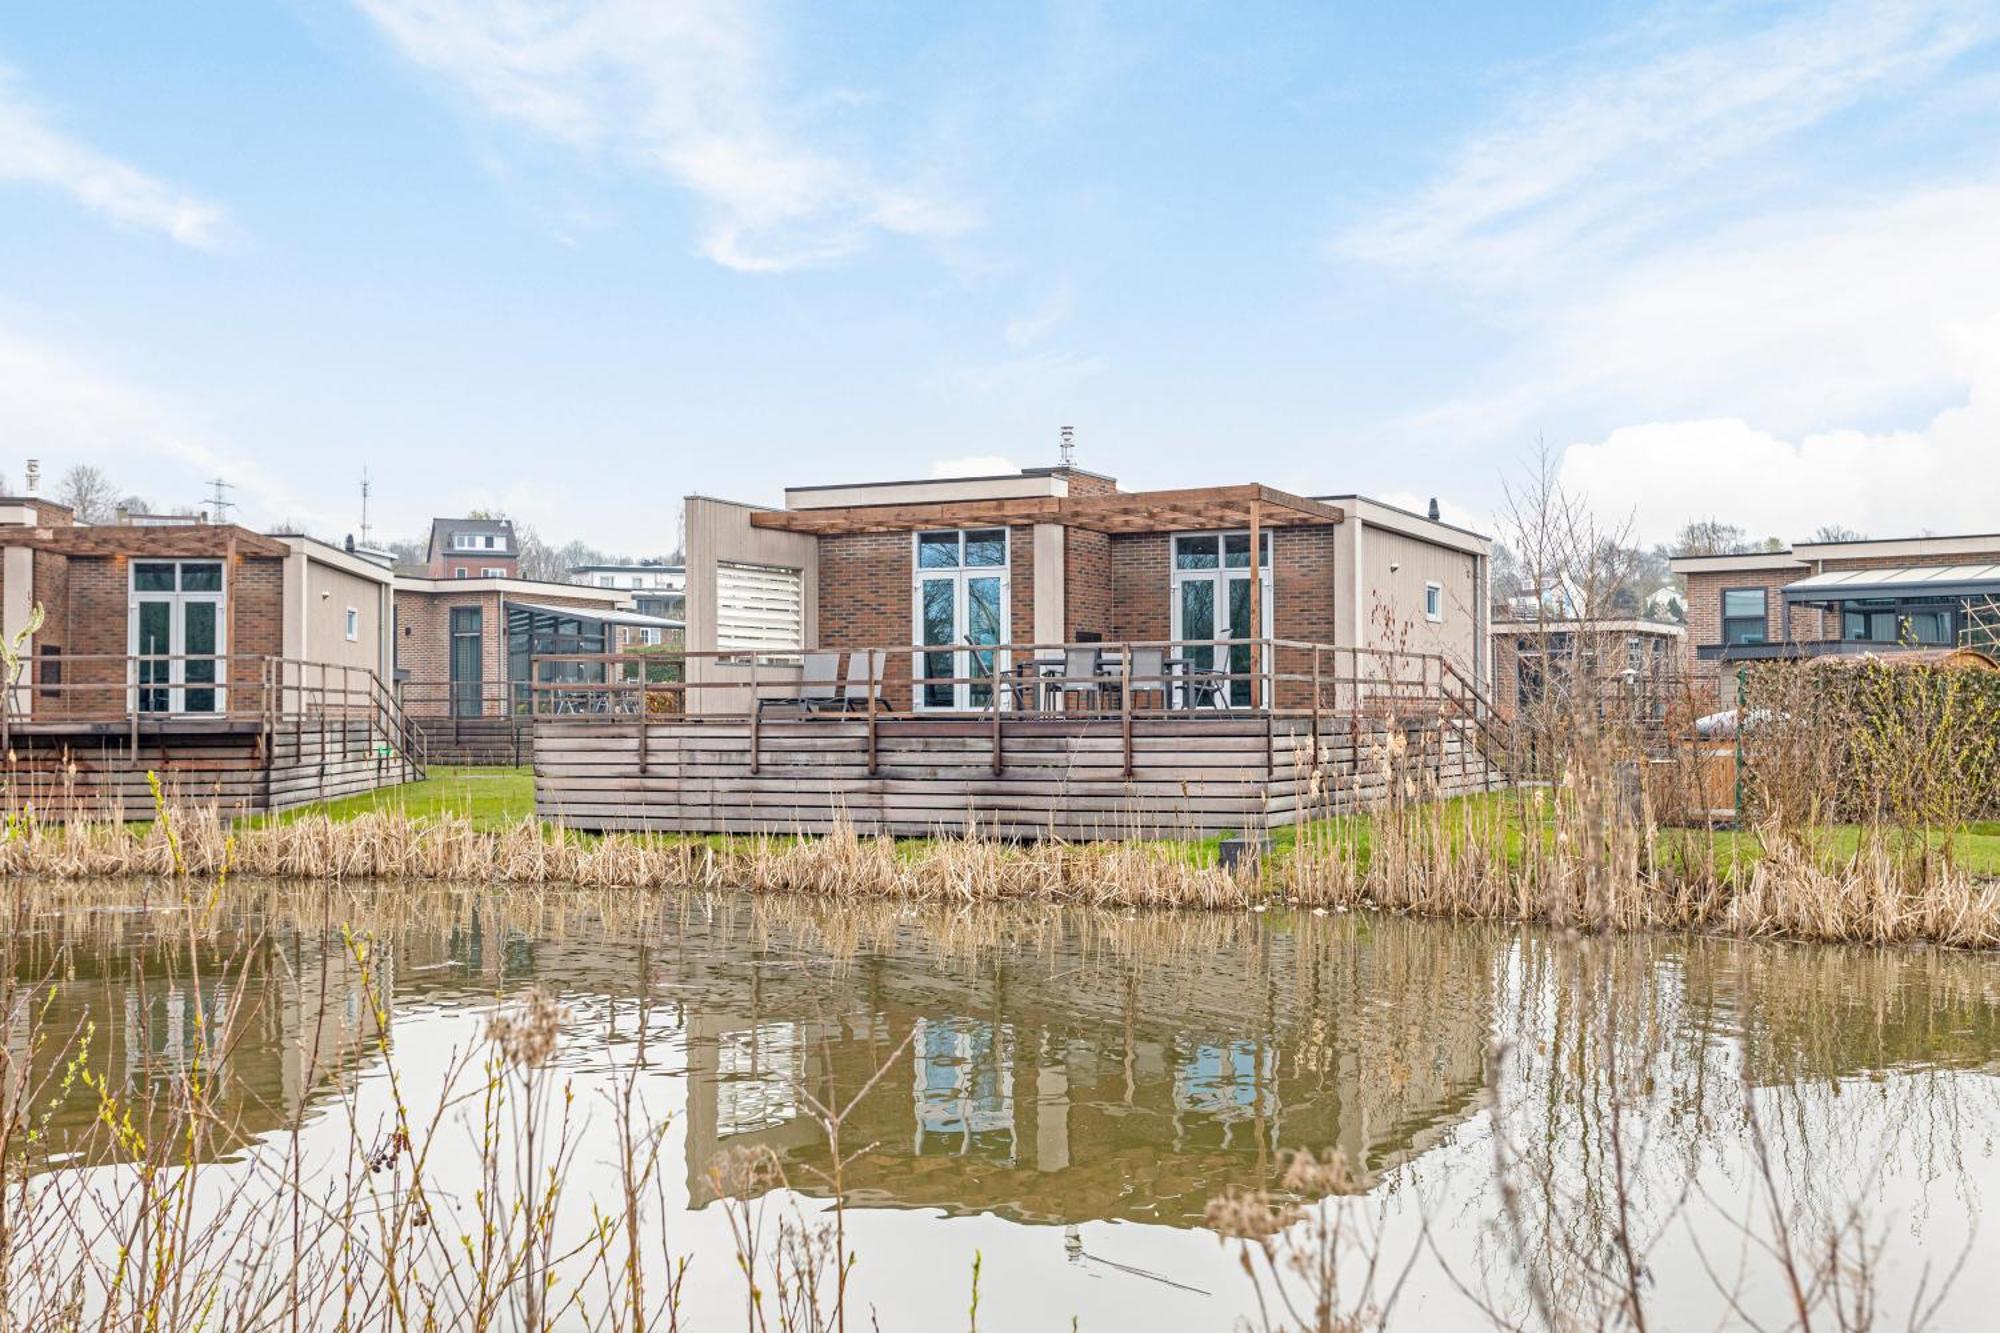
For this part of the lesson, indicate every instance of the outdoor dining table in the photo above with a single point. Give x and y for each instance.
(1039, 680)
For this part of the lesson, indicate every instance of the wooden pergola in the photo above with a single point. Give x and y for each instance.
(1194, 509)
(1253, 507)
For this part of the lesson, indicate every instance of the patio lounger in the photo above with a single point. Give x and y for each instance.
(816, 689)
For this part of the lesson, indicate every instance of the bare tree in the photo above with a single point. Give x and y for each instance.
(1710, 536)
(89, 492)
(1834, 532)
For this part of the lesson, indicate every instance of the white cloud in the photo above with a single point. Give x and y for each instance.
(1943, 478)
(66, 413)
(33, 152)
(1642, 131)
(1733, 325)
(685, 89)
(974, 465)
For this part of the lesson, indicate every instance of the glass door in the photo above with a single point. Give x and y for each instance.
(176, 636)
(467, 661)
(1211, 606)
(961, 603)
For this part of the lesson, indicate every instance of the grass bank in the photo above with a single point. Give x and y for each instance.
(493, 800)
(1556, 856)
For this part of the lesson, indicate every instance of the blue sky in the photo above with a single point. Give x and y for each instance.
(577, 259)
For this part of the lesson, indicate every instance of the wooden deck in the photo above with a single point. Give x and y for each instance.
(286, 734)
(1075, 778)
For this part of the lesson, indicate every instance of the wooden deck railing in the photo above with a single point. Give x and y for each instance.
(1127, 682)
(142, 690)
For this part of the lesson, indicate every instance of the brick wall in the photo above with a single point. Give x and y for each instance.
(1087, 591)
(86, 604)
(1083, 483)
(447, 565)
(1704, 620)
(1141, 587)
(867, 598)
(423, 641)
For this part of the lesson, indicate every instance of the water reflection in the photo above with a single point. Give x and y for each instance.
(1046, 1067)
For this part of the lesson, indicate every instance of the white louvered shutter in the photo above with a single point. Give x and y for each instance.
(759, 608)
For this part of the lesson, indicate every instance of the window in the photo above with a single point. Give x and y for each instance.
(353, 624)
(459, 573)
(175, 632)
(467, 660)
(1208, 612)
(960, 596)
(759, 608)
(1434, 601)
(1744, 618)
(492, 572)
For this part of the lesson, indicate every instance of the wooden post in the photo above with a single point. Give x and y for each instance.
(993, 699)
(1315, 721)
(1256, 605)
(645, 741)
(1125, 703)
(873, 700)
(756, 714)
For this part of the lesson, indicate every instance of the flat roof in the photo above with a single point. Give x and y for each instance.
(1628, 625)
(1411, 524)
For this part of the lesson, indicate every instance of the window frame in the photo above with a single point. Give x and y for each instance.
(964, 694)
(1434, 602)
(353, 624)
(1722, 606)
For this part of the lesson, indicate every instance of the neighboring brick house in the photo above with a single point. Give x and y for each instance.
(206, 605)
(1051, 556)
(472, 548)
(463, 647)
(1844, 597)
(1533, 658)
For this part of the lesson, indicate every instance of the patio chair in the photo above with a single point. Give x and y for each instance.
(865, 670)
(1204, 687)
(1079, 675)
(1149, 676)
(816, 689)
(1026, 685)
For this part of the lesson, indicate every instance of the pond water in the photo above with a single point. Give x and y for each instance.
(1059, 1093)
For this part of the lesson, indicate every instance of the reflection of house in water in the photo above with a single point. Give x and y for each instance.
(1054, 1086)
(964, 1086)
(267, 1021)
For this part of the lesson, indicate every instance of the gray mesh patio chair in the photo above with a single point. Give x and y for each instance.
(817, 688)
(1149, 676)
(865, 670)
(1079, 676)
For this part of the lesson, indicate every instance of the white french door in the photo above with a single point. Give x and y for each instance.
(1210, 606)
(177, 636)
(960, 598)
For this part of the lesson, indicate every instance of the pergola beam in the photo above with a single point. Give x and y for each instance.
(1194, 509)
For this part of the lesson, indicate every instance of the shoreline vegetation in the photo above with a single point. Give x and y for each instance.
(1557, 855)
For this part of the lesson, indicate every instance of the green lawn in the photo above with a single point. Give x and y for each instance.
(495, 798)
(492, 798)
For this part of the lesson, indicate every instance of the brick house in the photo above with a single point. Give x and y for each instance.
(472, 548)
(1820, 598)
(208, 603)
(1532, 657)
(463, 645)
(1053, 556)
